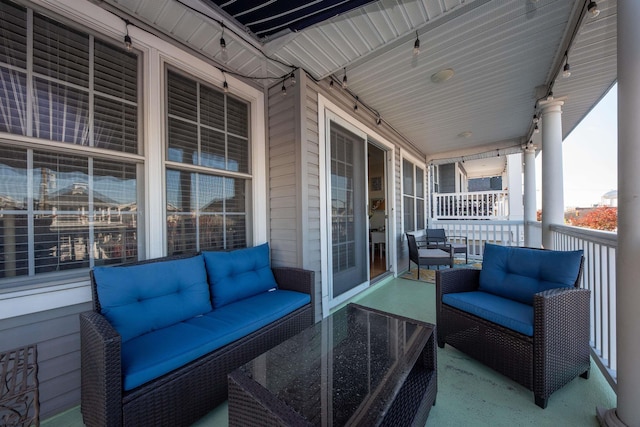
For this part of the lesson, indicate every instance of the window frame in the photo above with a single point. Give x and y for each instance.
(198, 169)
(415, 163)
(32, 145)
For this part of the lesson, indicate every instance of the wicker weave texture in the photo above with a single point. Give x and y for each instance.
(557, 353)
(184, 395)
(252, 405)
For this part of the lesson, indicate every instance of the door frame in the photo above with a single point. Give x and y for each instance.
(328, 112)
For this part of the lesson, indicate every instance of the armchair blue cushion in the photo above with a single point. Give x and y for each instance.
(239, 274)
(519, 273)
(146, 297)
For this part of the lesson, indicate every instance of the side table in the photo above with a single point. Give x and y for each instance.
(19, 403)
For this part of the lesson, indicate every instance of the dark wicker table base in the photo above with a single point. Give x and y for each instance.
(408, 397)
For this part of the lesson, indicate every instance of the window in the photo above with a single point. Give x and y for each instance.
(413, 196)
(207, 170)
(65, 202)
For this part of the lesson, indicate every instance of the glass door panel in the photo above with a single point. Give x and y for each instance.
(348, 205)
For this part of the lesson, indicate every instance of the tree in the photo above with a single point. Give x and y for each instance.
(601, 218)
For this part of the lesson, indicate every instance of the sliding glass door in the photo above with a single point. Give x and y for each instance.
(348, 210)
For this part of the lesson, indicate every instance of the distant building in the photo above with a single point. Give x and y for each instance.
(609, 198)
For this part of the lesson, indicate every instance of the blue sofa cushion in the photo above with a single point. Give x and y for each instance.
(239, 274)
(502, 311)
(519, 273)
(152, 355)
(142, 298)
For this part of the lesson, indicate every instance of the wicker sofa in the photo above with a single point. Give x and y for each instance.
(164, 333)
(523, 315)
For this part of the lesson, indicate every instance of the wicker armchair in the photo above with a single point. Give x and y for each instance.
(436, 255)
(557, 352)
(438, 236)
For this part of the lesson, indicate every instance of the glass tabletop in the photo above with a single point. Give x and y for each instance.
(345, 369)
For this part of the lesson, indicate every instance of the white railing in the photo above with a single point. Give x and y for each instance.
(600, 277)
(599, 270)
(472, 205)
(506, 233)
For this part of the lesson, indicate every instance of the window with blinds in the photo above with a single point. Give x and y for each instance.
(70, 205)
(207, 172)
(413, 196)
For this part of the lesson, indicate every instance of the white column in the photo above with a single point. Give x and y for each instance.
(552, 178)
(514, 178)
(529, 193)
(628, 252)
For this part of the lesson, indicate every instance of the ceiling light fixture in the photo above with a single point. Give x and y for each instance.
(344, 79)
(593, 9)
(416, 46)
(442, 75)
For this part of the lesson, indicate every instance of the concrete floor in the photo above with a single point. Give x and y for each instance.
(469, 394)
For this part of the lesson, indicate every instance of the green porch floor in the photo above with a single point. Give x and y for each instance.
(469, 394)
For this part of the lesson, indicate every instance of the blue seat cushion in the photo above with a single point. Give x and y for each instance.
(142, 298)
(505, 312)
(519, 273)
(159, 352)
(239, 274)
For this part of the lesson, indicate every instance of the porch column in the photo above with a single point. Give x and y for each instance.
(552, 179)
(529, 192)
(628, 292)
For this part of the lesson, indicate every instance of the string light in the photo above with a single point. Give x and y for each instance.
(355, 106)
(127, 38)
(416, 46)
(378, 120)
(223, 43)
(593, 9)
(536, 129)
(283, 89)
(344, 79)
(566, 71)
(535, 119)
(331, 84)
(225, 86)
(293, 79)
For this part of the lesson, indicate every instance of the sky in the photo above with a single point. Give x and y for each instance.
(589, 156)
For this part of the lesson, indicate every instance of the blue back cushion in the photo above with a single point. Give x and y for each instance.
(142, 298)
(519, 273)
(239, 274)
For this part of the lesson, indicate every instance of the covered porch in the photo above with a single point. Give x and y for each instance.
(412, 84)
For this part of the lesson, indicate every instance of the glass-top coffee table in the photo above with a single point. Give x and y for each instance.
(359, 367)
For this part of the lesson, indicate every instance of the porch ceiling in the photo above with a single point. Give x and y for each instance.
(505, 55)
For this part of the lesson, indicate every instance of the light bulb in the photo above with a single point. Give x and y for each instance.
(416, 46)
(566, 72)
(127, 42)
(225, 86)
(593, 9)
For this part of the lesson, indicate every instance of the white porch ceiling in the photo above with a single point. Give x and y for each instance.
(501, 51)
